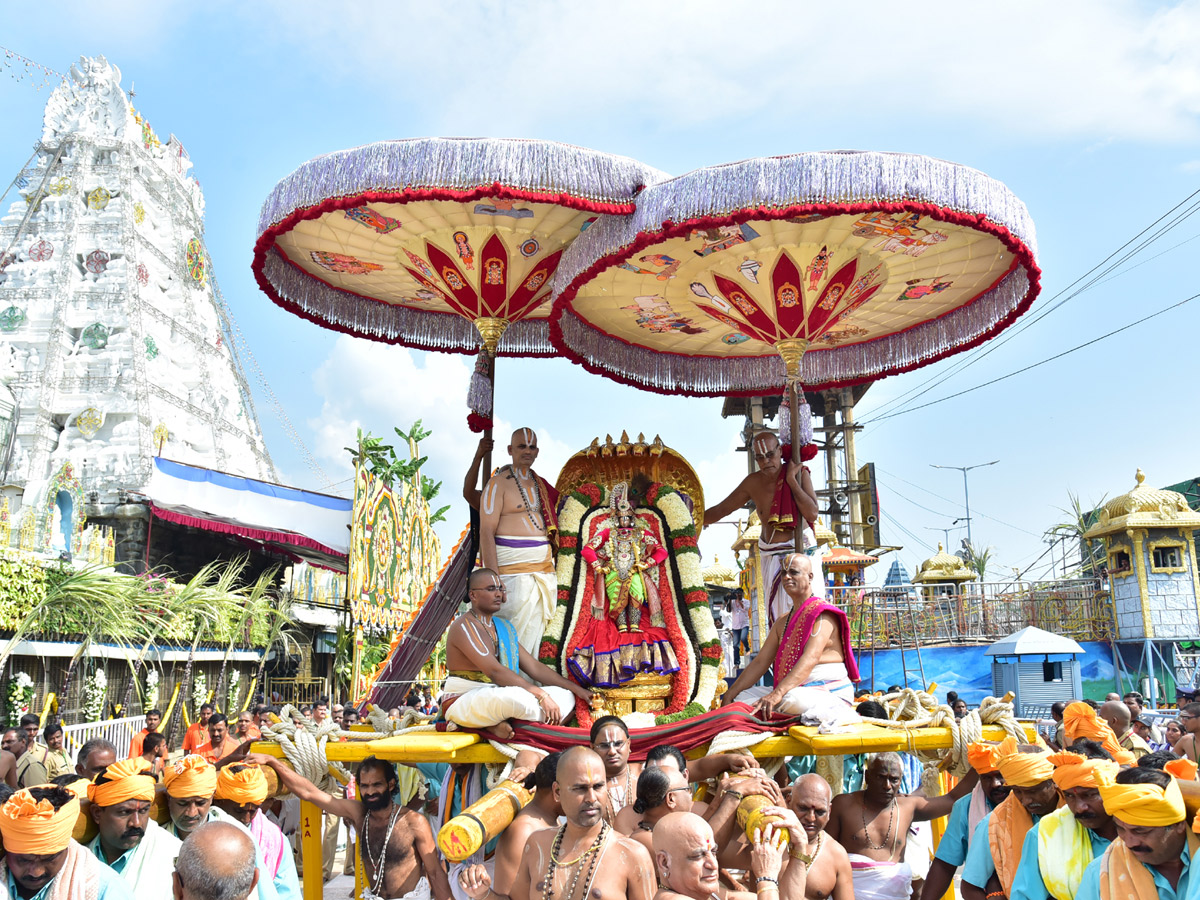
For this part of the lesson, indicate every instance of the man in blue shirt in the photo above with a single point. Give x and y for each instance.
(36, 824)
(1063, 844)
(1152, 855)
(965, 815)
(1028, 771)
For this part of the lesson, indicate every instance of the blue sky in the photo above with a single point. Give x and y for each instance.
(1089, 111)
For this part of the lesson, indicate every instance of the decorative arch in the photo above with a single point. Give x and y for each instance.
(66, 480)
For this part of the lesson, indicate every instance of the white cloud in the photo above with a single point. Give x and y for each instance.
(1077, 67)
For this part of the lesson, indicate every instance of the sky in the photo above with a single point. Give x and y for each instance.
(1088, 111)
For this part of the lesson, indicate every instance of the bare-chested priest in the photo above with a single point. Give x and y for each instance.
(517, 527)
(807, 648)
(399, 853)
(872, 825)
(487, 685)
(786, 503)
(585, 859)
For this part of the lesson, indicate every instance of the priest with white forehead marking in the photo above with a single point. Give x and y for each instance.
(518, 525)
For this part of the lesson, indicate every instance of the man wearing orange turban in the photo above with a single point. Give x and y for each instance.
(1152, 854)
(41, 860)
(241, 792)
(1081, 721)
(129, 840)
(191, 783)
(996, 844)
(965, 816)
(1060, 847)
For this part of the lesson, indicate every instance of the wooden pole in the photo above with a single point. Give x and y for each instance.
(310, 851)
(486, 472)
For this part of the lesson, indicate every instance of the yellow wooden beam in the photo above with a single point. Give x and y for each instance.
(458, 747)
(310, 851)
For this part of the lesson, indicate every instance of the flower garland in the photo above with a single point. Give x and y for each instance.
(20, 696)
(199, 691)
(233, 705)
(681, 536)
(94, 694)
(151, 688)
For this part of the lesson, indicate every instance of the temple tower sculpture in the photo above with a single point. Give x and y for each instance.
(114, 340)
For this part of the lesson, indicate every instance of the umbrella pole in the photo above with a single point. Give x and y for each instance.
(794, 407)
(792, 351)
(486, 472)
(490, 329)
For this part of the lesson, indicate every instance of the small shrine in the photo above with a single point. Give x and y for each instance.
(720, 581)
(1150, 546)
(944, 569)
(846, 565)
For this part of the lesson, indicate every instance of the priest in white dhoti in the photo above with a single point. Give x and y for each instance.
(129, 840)
(517, 528)
(492, 678)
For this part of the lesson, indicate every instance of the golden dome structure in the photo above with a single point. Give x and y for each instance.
(1144, 507)
(720, 575)
(943, 568)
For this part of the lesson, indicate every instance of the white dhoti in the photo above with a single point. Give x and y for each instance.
(531, 594)
(875, 880)
(825, 679)
(422, 891)
(486, 705)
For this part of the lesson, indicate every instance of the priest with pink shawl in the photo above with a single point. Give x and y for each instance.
(808, 650)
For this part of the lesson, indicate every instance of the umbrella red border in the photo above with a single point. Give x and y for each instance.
(1023, 256)
(267, 241)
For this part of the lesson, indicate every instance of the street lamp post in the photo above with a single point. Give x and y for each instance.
(966, 493)
(946, 532)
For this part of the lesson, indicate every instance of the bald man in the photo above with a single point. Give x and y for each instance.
(215, 863)
(1117, 715)
(808, 650)
(685, 858)
(517, 526)
(491, 679)
(872, 825)
(786, 503)
(586, 850)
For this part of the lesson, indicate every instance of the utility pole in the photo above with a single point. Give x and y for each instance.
(966, 493)
(945, 532)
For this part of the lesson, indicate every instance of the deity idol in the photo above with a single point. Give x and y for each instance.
(626, 635)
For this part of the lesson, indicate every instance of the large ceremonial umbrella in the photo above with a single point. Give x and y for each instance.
(437, 243)
(826, 268)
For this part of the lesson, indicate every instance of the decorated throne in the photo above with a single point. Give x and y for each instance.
(633, 620)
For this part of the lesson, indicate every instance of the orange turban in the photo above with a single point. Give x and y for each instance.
(191, 776)
(247, 785)
(1072, 770)
(1141, 804)
(127, 780)
(34, 827)
(982, 757)
(1183, 769)
(1081, 721)
(1022, 770)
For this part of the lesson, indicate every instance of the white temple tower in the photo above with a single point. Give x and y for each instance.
(113, 339)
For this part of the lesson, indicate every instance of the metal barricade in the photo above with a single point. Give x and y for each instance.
(119, 732)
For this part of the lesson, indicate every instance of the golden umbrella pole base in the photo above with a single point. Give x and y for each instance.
(491, 329)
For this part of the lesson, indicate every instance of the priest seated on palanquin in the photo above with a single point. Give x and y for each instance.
(625, 633)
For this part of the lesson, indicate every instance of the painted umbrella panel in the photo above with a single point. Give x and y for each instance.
(410, 242)
(880, 262)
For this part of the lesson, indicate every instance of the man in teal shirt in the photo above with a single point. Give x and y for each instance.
(1063, 844)
(1152, 854)
(966, 812)
(39, 850)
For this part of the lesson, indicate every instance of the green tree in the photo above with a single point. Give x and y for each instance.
(1077, 522)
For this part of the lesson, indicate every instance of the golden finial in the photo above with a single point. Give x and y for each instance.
(656, 449)
(593, 449)
(1141, 476)
(607, 449)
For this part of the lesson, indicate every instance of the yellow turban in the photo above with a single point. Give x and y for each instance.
(1022, 770)
(1081, 721)
(247, 785)
(191, 776)
(1141, 804)
(34, 827)
(1072, 770)
(127, 780)
(1183, 769)
(982, 757)
(78, 787)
